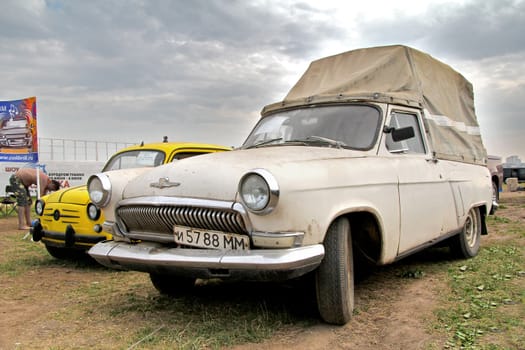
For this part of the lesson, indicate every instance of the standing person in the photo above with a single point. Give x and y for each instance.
(20, 182)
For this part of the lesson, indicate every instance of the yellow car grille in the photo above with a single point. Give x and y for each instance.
(62, 215)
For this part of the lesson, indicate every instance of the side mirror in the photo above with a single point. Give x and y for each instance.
(400, 134)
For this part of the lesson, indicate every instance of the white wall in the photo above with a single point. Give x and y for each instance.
(68, 173)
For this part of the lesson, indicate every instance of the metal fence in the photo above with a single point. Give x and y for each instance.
(77, 150)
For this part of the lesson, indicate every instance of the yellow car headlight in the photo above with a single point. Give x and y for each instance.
(93, 212)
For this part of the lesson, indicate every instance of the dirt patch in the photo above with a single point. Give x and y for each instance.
(392, 311)
(513, 207)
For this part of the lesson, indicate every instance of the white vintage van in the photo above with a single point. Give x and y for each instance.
(373, 155)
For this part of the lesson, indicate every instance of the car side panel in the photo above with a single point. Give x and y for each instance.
(338, 187)
(425, 200)
(471, 186)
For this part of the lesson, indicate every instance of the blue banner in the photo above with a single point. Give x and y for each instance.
(18, 131)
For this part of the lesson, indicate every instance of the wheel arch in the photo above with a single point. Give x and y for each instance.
(483, 212)
(367, 234)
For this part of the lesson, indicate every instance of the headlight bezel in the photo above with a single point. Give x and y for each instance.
(270, 185)
(99, 189)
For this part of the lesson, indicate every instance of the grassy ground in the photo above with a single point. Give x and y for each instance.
(484, 306)
(51, 304)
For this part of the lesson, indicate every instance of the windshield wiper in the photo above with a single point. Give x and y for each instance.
(308, 140)
(320, 139)
(265, 142)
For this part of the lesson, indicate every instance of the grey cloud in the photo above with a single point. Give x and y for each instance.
(107, 45)
(473, 30)
(242, 25)
(481, 29)
(203, 69)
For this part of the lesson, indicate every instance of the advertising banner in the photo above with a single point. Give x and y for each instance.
(68, 173)
(18, 131)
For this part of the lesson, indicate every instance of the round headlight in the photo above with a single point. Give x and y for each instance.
(99, 188)
(93, 212)
(259, 191)
(39, 207)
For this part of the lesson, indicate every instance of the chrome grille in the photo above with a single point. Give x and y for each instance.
(161, 219)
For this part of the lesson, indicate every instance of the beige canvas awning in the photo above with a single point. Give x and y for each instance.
(399, 75)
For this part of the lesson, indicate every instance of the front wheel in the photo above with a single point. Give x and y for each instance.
(466, 243)
(66, 253)
(335, 275)
(171, 285)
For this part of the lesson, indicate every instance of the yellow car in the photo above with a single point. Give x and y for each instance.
(69, 224)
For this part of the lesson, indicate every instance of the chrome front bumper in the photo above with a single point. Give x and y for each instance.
(257, 264)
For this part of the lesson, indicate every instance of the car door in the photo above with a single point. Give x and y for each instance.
(425, 198)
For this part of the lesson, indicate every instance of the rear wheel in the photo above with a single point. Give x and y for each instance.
(335, 275)
(466, 243)
(171, 284)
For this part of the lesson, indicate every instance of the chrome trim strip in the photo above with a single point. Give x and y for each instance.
(297, 236)
(238, 207)
(176, 201)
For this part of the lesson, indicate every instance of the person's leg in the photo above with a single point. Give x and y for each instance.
(28, 215)
(22, 217)
(23, 200)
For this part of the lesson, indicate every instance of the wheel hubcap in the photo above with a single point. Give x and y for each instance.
(470, 231)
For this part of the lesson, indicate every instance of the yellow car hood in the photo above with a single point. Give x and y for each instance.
(73, 195)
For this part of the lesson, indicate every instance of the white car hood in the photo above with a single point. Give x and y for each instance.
(216, 175)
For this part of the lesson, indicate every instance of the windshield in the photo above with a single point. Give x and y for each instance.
(347, 126)
(135, 159)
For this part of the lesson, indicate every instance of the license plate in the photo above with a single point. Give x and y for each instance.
(210, 239)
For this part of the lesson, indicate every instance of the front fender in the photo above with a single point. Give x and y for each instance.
(118, 179)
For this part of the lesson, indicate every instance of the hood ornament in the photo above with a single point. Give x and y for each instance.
(164, 182)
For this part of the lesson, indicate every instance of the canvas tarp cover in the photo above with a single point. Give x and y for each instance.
(399, 75)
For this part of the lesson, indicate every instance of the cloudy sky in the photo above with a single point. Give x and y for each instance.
(201, 70)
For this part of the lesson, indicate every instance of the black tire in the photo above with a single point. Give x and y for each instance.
(466, 244)
(172, 285)
(335, 275)
(65, 253)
